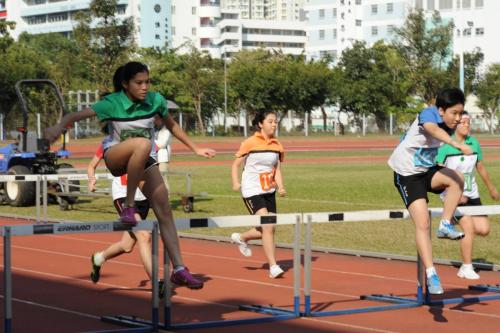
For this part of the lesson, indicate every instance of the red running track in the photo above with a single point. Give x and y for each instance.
(52, 291)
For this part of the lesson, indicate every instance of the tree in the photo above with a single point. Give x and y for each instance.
(488, 93)
(5, 39)
(63, 56)
(194, 80)
(472, 61)
(426, 51)
(105, 45)
(371, 82)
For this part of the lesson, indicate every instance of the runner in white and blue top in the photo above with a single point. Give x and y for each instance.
(416, 173)
(129, 114)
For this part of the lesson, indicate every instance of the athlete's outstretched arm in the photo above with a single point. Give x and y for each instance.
(179, 133)
(94, 162)
(52, 133)
(440, 134)
(278, 177)
(235, 170)
(481, 169)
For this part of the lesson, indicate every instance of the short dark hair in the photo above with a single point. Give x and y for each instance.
(126, 72)
(448, 97)
(260, 116)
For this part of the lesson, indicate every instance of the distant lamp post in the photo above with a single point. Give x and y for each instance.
(470, 24)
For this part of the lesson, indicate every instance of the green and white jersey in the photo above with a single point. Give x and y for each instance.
(454, 159)
(126, 119)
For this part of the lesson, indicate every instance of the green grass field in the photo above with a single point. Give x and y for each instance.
(311, 187)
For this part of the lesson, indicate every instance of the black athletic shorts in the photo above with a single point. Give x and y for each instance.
(470, 202)
(149, 163)
(257, 202)
(416, 186)
(141, 206)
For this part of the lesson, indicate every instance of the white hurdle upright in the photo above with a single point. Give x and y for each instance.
(75, 228)
(225, 222)
(398, 302)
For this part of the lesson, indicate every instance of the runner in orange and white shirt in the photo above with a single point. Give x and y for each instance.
(261, 156)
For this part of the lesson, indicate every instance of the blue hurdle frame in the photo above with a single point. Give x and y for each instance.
(275, 313)
(47, 228)
(399, 302)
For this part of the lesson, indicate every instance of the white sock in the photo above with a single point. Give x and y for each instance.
(468, 266)
(99, 258)
(430, 271)
(178, 268)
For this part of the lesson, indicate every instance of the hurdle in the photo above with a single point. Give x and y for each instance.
(273, 313)
(471, 210)
(397, 302)
(7, 232)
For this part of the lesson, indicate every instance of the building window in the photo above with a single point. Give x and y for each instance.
(358, 2)
(374, 31)
(157, 36)
(334, 33)
(458, 4)
(445, 4)
(173, 9)
(193, 10)
(58, 17)
(342, 16)
(358, 23)
(321, 13)
(430, 5)
(157, 24)
(479, 3)
(334, 12)
(193, 31)
(173, 31)
(479, 31)
(467, 32)
(419, 4)
(466, 4)
(390, 7)
(374, 9)
(390, 29)
(322, 34)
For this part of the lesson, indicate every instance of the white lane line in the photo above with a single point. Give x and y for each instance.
(196, 254)
(55, 308)
(348, 325)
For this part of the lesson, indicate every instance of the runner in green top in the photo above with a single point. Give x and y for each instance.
(456, 160)
(128, 115)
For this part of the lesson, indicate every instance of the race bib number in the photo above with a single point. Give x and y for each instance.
(267, 181)
(468, 181)
(135, 133)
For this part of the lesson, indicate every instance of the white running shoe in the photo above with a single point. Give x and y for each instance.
(242, 246)
(275, 271)
(467, 272)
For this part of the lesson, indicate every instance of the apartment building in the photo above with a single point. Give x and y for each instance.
(332, 25)
(151, 17)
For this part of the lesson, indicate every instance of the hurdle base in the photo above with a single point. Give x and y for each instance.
(134, 324)
(399, 303)
(475, 299)
(267, 310)
(145, 326)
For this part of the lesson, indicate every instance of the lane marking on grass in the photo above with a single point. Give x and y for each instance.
(305, 200)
